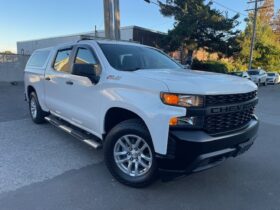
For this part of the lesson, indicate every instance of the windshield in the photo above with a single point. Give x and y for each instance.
(237, 73)
(130, 57)
(253, 72)
(271, 74)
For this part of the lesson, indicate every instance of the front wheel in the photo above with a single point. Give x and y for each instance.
(129, 154)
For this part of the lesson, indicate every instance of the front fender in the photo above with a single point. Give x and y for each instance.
(148, 106)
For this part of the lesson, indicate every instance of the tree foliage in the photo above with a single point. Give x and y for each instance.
(266, 53)
(266, 14)
(6, 52)
(276, 24)
(198, 25)
(212, 66)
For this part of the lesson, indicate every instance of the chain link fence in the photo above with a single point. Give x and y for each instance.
(12, 67)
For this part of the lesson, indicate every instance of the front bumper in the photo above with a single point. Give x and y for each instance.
(255, 80)
(193, 151)
(270, 81)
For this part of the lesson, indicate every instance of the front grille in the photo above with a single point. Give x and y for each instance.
(213, 100)
(226, 122)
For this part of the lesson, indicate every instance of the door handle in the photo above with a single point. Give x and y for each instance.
(69, 83)
(47, 78)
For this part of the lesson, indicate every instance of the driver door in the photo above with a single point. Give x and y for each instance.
(85, 95)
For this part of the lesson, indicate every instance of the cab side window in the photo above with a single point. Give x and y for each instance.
(38, 59)
(62, 60)
(85, 56)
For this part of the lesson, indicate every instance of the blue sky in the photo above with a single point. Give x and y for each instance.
(32, 19)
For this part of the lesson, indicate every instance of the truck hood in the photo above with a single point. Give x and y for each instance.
(199, 82)
(271, 77)
(254, 76)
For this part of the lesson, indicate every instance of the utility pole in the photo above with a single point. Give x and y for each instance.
(95, 31)
(117, 19)
(112, 19)
(254, 34)
(107, 17)
(256, 9)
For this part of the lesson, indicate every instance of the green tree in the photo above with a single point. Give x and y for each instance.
(267, 48)
(7, 52)
(198, 25)
(276, 24)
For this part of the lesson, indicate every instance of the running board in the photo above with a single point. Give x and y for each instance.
(89, 139)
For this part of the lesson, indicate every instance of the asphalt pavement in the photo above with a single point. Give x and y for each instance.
(41, 167)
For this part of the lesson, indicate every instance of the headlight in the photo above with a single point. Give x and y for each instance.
(182, 100)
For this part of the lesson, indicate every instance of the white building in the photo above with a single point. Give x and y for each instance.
(129, 33)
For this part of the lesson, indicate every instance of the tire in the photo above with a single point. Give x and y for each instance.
(132, 130)
(36, 112)
(259, 83)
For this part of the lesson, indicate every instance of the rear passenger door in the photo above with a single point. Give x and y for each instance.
(57, 83)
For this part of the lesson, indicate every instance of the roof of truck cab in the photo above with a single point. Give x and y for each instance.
(88, 41)
(43, 49)
(116, 42)
(108, 41)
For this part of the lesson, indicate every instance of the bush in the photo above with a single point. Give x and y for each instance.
(212, 66)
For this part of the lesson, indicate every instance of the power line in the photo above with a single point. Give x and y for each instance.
(264, 7)
(228, 8)
(235, 11)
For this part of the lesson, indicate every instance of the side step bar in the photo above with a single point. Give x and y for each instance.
(89, 139)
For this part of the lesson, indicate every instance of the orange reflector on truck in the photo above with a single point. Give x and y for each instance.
(173, 121)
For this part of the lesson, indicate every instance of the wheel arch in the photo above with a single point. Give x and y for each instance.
(115, 115)
(30, 89)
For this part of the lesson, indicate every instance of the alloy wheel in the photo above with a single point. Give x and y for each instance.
(133, 155)
(33, 108)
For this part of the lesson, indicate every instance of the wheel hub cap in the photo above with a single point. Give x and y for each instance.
(133, 155)
(33, 108)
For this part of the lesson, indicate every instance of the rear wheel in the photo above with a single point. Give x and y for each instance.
(129, 154)
(36, 112)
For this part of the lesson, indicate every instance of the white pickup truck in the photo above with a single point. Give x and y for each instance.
(150, 115)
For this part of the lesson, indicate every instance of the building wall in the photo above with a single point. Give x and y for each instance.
(27, 47)
(126, 33)
(12, 67)
(146, 37)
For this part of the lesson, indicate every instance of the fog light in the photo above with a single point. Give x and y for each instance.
(187, 122)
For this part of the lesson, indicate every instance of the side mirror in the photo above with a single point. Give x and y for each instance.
(86, 70)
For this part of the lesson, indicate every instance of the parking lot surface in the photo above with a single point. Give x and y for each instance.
(42, 167)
